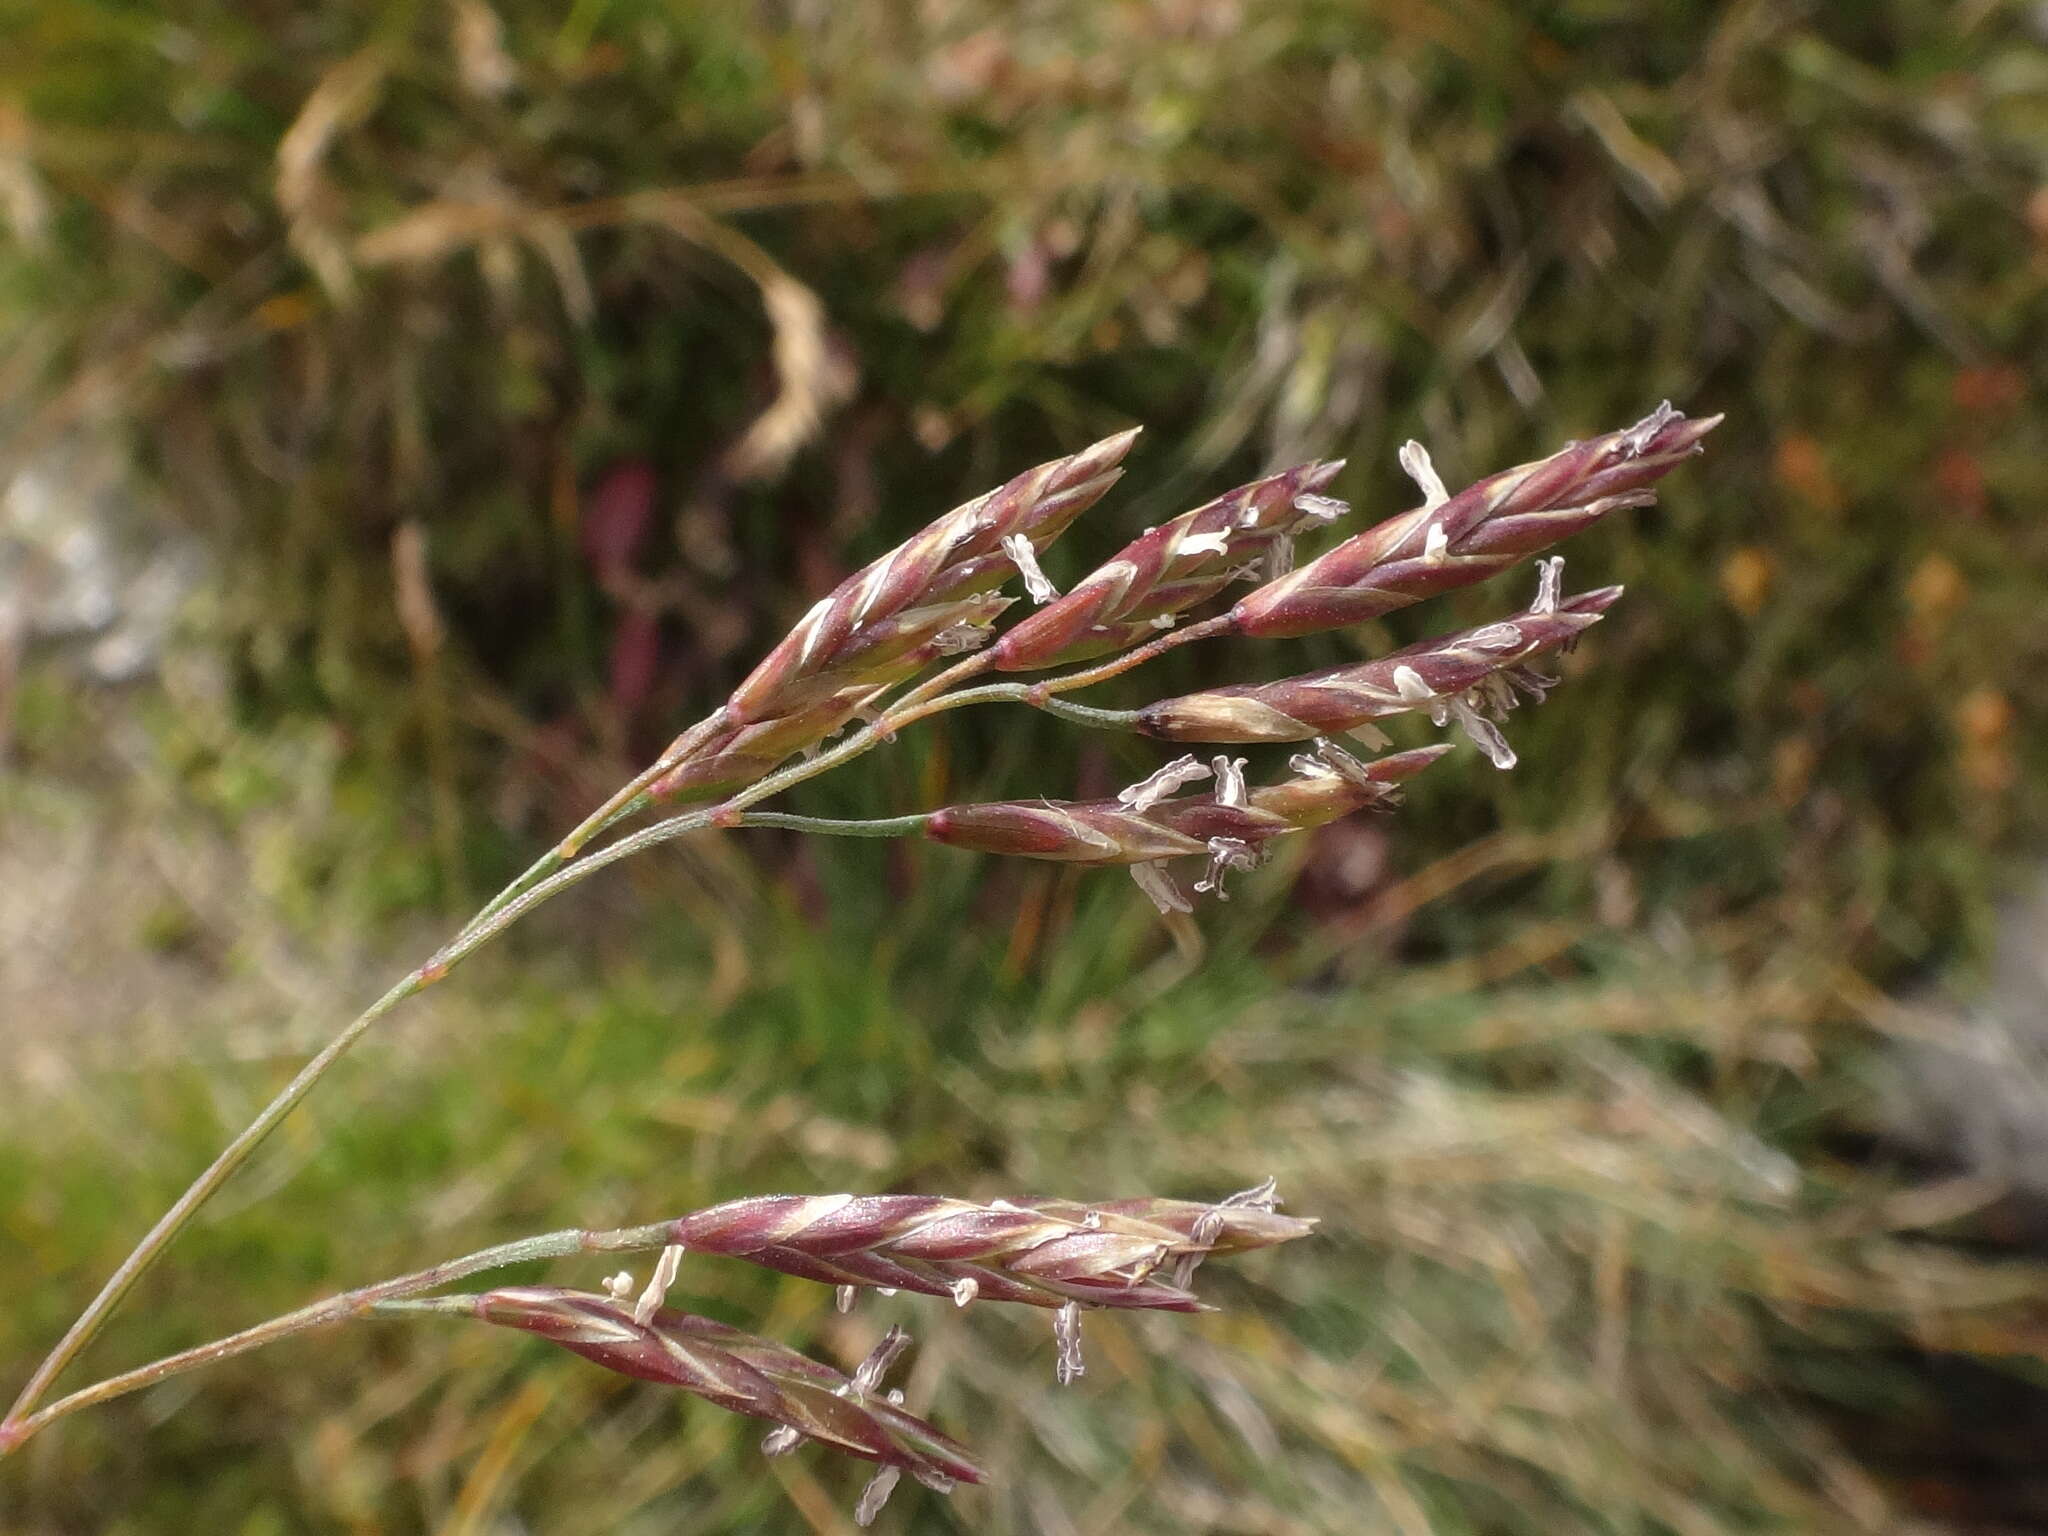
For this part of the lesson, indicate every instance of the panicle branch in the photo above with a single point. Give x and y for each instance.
(1483, 529)
(958, 556)
(723, 1365)
(1042, 1253)
(1490, 661)
(1322, 786)
(1167, 570)
(1230, 825)
(928, 598)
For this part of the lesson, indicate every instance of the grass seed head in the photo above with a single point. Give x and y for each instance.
(1041, 1253)
(1339, 699)
(737, 1371)
(1488, 526)
(958, 556)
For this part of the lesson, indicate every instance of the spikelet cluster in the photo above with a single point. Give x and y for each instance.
(1042, 1253)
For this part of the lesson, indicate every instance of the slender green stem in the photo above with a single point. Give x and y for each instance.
(426, 1306)
(342, 1308)
(547, 878)
(231, 1157)
(1024, 693)
(889, 826)
(238, 1151)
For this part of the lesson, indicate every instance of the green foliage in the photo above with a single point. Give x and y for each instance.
(320, 272)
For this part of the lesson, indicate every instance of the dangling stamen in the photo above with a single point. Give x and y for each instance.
(869, 1373)
(875, 1495)
(1485, 734)
(1549, 585)
(1069, 1366)
(1225, 853)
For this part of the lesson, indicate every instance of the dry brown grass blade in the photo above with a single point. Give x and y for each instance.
(346, 94)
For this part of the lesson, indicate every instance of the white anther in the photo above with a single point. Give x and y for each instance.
(869, 1373)
(875, 1495)
(1336, 760)
(1318, 510)
(1158, 885)
(1225, 854)
(1549, 585)
(1638, 437)
(1416, 461)
(781, 1441)
(957, 638)
(1204, 544)
(619, 1286)
(1412, 689)
(1485, 734)
(1165, 620)
(1148, 792)
(885, 1290)
(1069, 1367)
(1436, 545)
(1025, 557)
(1306, 765)
(965, 1289)
(664, 1276)
(1229, 781)
(842, 1297)
(1262, 1196)
(1495, 637)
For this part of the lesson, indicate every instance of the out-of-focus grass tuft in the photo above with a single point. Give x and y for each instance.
(1565, 1241)
(656, 319)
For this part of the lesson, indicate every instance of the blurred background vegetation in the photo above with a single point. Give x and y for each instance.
(415, 412)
